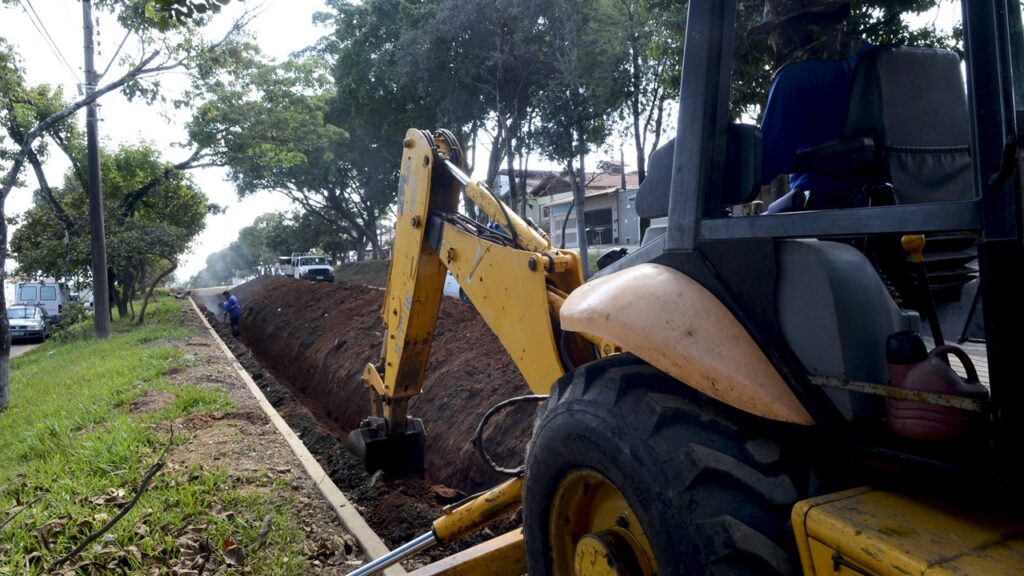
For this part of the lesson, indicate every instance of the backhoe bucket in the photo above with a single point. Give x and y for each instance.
(398, 455)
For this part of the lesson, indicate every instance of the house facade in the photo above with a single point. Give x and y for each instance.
(610, 206)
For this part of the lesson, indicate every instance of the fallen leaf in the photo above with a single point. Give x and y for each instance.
(46, 534)
(446, 495)
(114, 497)
(134, 553)
(234, 556)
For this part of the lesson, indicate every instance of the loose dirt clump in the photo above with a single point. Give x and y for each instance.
(317, 339)
(151, 401)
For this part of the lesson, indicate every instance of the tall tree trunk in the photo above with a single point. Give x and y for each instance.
(360, 248)
(378, 248)
(121, 297)
(495, 157)
(634, 104)
(5, 326)
(149, 291)
(470, 151)
(659, 119)
(579, 193)
(511, 137)
(511, 167)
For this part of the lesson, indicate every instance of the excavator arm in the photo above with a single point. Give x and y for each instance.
(514, 277)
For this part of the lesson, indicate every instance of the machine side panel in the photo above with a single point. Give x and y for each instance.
(511, 297)
(677, 325)
(865, 531)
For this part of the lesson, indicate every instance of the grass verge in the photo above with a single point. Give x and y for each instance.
(73, 453)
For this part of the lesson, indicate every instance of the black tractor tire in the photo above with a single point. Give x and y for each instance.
(708, 483)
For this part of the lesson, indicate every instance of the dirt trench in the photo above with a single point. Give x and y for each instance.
(397, 510)
(317, 339)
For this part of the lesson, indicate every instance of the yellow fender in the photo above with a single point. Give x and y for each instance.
(671, 321)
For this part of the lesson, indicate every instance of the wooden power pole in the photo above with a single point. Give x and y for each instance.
(100, 287)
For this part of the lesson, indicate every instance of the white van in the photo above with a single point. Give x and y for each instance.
(53, 296)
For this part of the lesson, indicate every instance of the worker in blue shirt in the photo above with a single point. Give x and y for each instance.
(233, 310)
(808, 99)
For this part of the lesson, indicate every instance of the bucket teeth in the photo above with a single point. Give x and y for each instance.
(398, 455)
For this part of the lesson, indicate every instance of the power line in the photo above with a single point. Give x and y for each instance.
(41, 28)
(52, 43)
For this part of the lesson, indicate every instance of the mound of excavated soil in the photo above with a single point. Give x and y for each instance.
(317, 338)
(396, 510)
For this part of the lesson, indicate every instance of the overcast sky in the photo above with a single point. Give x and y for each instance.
(283, 27)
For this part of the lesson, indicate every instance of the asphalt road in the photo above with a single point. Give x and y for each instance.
(19, 349)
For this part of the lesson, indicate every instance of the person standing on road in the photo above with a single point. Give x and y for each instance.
(233, 310)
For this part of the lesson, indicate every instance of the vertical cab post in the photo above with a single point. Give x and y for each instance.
(698, 165)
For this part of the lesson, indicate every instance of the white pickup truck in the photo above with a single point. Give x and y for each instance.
(307, 267)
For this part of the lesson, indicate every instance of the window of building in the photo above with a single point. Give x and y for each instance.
(599, 226)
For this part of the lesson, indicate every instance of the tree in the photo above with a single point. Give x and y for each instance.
(269, 125)
(499, 50)
(589, 60)
(146, 234)
(30, 114)
(647, 24)
(270, 236)
(374, 102)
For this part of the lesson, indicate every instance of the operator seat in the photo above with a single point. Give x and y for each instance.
(906, 141)
(910, 102)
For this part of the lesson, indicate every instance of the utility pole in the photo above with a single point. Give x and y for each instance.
(100, 288)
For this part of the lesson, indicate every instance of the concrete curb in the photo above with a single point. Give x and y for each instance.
(350, 518)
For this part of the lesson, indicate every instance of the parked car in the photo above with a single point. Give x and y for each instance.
(53, 296)
(452, 288)
(312, 267)
(29, 322)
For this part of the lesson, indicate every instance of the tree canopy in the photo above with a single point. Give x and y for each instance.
(269, 237)
(146, 235)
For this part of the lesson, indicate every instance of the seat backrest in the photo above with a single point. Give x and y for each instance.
(740, 185)
(912, 102)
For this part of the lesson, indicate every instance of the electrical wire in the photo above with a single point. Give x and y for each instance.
(470, 226)
(478, 435)
(41, 28)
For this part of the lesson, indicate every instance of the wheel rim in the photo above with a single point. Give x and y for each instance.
(593, 530)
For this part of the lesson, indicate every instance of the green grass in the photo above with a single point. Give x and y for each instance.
(68, 440)
(369, 272)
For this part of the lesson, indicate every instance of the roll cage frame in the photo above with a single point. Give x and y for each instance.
(707, 246)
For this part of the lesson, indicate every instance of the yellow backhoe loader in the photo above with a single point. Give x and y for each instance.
(734, 398)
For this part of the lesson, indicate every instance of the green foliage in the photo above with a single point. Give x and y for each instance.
(169, 13)
(22, 107)
(70, 439)
(74, 319)
(271, 235)
(589, 58)
(272, 126)
(153, 212)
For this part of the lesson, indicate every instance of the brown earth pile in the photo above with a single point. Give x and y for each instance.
(397, 510)
(317, 338)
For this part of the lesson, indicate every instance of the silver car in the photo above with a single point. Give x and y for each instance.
(28, 323)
